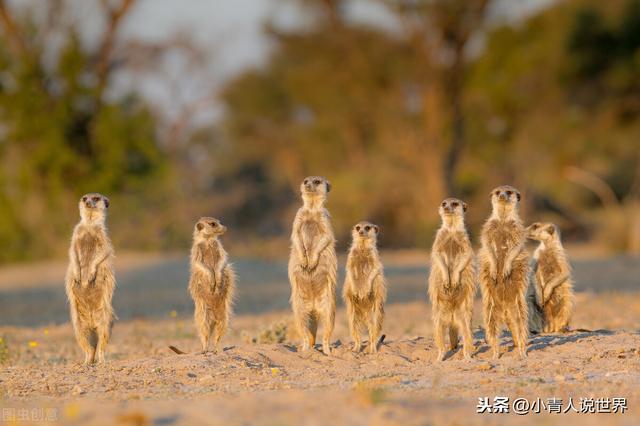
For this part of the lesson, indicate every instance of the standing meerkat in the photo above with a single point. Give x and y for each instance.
(552, 274)
(364, 290)
(212, 282)
(452, 279)
(90, 282)
(504, 270)
(313, 265)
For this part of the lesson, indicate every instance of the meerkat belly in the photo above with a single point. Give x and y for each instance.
(503, 242)
(211, 256)
(362, 265)
(87, 246)
(311, 231)
(548, 266)
(452, 250)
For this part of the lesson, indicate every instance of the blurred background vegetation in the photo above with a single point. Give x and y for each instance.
(444, 97)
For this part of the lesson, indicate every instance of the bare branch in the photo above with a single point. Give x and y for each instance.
(114, 20)
(10, 28)
(593, 183)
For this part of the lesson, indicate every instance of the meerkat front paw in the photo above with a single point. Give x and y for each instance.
(313, 261)
(506, 273)
(493, 272)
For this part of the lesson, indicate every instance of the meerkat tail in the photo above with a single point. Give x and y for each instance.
(176, 350)
(381, 339)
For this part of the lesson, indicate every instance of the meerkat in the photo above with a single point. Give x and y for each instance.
(313, 265)
(504, 271)
(452, 279)
(364, 290)
(552, 274)
(212, 282)
(90, 281)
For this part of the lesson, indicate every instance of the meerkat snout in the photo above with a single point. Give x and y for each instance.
(452, 206)
(505, 194)
(315, 184)
(94, 201)
(208, 226)
(541, 231)
(365, 230)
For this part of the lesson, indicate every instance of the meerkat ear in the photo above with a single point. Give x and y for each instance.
(199, 226)
(376, 228)
(551, 229)
(106, 202)
(328, 186)
(464, 206)
(518, 195)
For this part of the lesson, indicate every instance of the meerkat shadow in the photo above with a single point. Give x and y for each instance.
(506, 339)
(290, 348)
(544, 340)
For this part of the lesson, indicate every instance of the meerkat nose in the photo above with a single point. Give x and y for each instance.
(504, 196)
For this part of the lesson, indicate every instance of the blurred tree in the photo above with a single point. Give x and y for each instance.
(441, 31)
(546, 110)
(63, 136)
(339, 99)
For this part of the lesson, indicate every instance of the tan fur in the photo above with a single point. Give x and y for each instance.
(89, 281)
(552, 274)
(452, 280)
(364, 290)
(212, 282)
(313, 265)
(504, 269)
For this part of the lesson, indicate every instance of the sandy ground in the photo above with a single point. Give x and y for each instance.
(261, 378)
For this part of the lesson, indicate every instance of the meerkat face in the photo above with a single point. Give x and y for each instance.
(93, 202)
(542, 231)
(210, 227)
(505, 194)
(315, 185)
(452, 206)
(365, 231)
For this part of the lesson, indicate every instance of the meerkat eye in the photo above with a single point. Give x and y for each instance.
(509, 193)
(358, 228)
(497, 192)
(213, 224)
(96, 199)
(535, 226)
(454, 204)
(444, 204)
(306, 181)
(367, 228)
(317, 182)
(84, 198)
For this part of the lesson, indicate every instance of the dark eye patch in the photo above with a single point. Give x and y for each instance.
(358, 228)
(497, 192)
(84, 198)
(96, 199)
(454, 204)
(444, 204)
(213, 224)
(367, 228)
(509, 193)
(306, 181)
(317, 182)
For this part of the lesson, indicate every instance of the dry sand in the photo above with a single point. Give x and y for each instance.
(261, 378)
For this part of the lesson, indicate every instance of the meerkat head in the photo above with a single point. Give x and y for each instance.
(542, 231)
(505, 200)
(365, 233)
(314, 189)
(93, 207)
(209, 227)
(452, 211)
